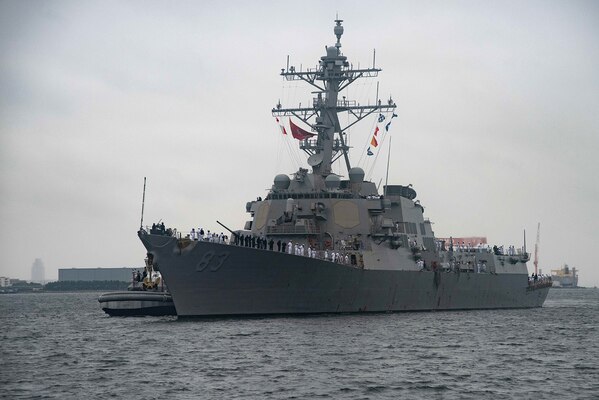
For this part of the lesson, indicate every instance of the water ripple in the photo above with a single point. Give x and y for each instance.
(61, 346)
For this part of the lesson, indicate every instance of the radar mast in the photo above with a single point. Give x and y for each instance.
(332, 75)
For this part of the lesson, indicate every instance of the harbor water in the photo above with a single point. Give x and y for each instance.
(62, 346)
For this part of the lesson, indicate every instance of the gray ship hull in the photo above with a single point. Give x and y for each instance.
(211, 279)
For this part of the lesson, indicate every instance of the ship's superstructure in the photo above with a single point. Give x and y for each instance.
(322, 241)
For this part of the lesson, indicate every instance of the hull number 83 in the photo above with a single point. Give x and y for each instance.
(212, 261)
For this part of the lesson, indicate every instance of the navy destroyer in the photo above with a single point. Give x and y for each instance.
(322, 242)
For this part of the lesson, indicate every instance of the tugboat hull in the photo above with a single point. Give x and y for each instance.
(137, 303)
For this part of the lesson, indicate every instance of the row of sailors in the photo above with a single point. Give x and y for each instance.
(456, 266)
(538, 278)
(262, 243)
(289, 247)
(467, 248)
(208, 236)
(511, 251)
(443, 246)
(481, 248)
(300, 250)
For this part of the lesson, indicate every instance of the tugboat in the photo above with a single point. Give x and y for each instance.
(320, 242)
(146, 295)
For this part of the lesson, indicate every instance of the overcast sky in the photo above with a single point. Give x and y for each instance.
(498, 125)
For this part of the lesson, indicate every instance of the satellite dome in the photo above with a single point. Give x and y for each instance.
(282, 182)
(332, 182)
(356, 175)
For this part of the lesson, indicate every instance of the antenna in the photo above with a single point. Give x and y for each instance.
(143, 200)
(373, 57)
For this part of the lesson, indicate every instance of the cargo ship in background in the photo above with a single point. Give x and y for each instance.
(564, 277)
(324, 241)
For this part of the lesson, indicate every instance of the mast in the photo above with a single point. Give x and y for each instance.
(332, 75)
(536, 262)
(143, 200)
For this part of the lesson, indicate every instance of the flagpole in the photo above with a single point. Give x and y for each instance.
(388, 157)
